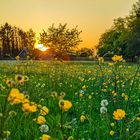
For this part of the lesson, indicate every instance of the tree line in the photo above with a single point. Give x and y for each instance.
(14, 39)
(123, 38)
(62, 41)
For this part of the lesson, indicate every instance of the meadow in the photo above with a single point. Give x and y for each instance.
(69, 100)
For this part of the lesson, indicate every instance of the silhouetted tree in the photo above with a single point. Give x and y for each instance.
(5, 33)
(60, 39)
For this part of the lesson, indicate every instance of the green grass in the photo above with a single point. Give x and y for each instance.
(70, 77)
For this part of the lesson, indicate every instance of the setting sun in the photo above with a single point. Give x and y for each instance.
(41, 47)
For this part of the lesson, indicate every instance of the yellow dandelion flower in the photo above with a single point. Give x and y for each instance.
(26, 107)
(65, 105)
(41, 120)
(117, 58)
(101, 60)
(82, 118)
(17, 57)
(15, 97)
(138, 118)
(45, 137)
(44, 111)
(119, 114)
(80, 95)
(111, 132)
(123, 94)
(84, 87)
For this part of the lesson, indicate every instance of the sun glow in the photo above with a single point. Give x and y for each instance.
(41, 47)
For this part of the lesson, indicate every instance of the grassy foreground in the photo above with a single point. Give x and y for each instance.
(69, 100)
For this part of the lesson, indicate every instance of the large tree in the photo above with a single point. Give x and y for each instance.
(123, 37)
(113, 40)
(61, 40)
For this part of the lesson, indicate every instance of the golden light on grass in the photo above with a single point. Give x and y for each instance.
(41, 47)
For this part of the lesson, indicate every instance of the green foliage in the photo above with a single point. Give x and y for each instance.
(123, 37)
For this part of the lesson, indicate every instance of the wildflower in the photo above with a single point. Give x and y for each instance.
(123, 94)
(12, 113)
(103, 110)
(114, 93)
(138, 118)
(44, 111)
(62, 94)
(54, 94)
(17, 57)
(119, 114)
(26, 78)
(65, 105)
(101, 60)
(84, 87)
(80, 95)
(82, 118)
(10, 83)
(21, 83)
(111, 132)
(41, 120)
(26, 107)
(82, 91)
(45, 137)
(112, 124)
(104, 103)
(25, 100)
(15, 97)
(19, 78)
(44, 128)
(117, 58)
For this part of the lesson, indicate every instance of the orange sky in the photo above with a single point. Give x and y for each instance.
(93, 17)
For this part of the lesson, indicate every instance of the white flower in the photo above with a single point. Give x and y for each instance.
(103, 110)
(44, 128)
(82, 91)
(104, 103)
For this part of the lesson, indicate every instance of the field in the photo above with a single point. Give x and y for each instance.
(69, 100)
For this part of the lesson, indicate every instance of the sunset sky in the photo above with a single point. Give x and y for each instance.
(93, 17)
